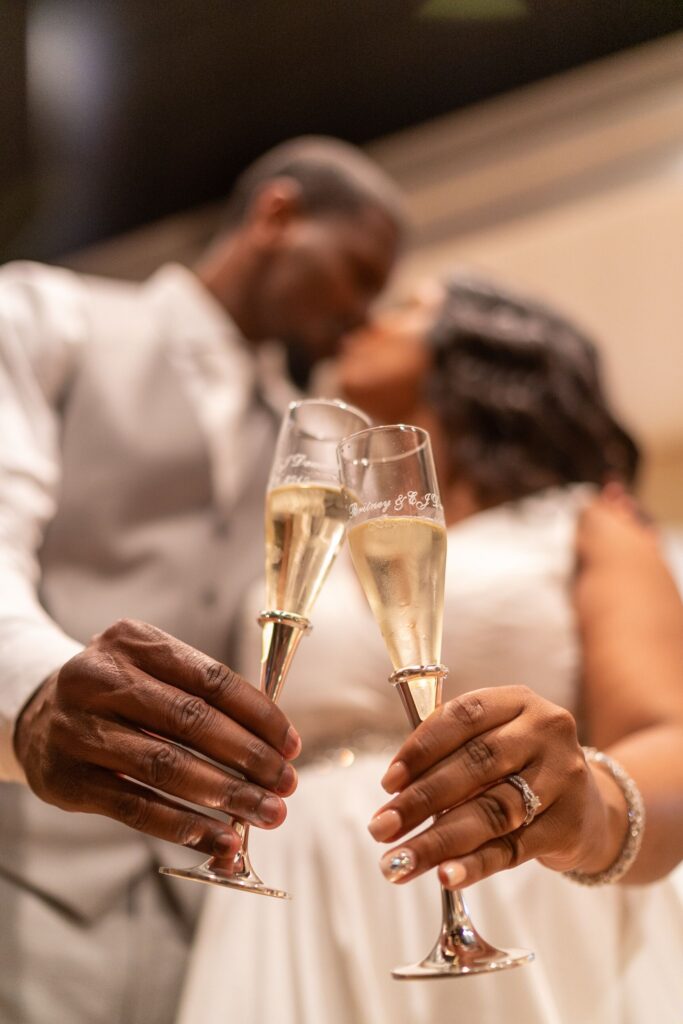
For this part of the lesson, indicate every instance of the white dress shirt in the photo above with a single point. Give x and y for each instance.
(44, 326)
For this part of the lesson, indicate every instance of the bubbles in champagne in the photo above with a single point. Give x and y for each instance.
(305, 526)
(401, 561)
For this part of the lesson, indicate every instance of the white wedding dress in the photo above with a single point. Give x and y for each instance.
(610, 955)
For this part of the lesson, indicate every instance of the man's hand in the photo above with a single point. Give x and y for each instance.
(112, 718)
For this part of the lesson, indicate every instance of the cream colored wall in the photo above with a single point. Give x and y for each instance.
(614, 261)
(602, 237)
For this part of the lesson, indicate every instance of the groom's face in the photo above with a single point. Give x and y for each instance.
(322, 279)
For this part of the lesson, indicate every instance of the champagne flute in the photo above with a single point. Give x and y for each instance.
(397, 538)
(306, 521)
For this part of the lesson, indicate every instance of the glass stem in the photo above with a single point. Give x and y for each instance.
(282, 634)
(455, 913)
(241, 863)
(458, 935)
(457, 930)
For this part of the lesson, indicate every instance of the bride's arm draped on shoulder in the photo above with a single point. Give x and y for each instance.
(631, 624)
(563, 637)
(518, 407)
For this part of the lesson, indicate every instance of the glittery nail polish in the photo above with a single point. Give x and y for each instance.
(397, 864)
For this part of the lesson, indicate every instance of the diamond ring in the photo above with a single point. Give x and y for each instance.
(532, 803)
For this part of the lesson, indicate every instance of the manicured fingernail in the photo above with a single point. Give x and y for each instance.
(397, 864)
(385, 825)
(396, 777)
(292, 746)
(270, 809)
(225, 844)
(452, 873)
(287, 781)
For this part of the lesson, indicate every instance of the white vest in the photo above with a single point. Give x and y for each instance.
(138, 534)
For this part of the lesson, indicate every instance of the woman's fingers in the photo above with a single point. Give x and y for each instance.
(451, 726)
(485, 834)
(472, 768)
(542, 735)
(487, 765)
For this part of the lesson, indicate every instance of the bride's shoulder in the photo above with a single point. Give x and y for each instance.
(518, 541)
(546, 511)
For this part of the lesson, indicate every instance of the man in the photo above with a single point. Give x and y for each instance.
(134, 453)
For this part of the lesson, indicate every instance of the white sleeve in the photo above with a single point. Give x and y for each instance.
(42, 327)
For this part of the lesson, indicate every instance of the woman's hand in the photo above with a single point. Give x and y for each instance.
(456, 765)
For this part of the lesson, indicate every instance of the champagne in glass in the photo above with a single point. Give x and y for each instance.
(397, 538)
(305, 520)
(401, 562)
(305, 525)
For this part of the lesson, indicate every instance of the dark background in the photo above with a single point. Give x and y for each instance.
(116, 112)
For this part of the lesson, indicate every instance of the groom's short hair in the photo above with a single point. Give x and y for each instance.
(333, 177)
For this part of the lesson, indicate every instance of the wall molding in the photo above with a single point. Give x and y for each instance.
(616, 120)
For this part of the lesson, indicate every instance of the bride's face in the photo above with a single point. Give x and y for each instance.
(383, 369)
(383, 366)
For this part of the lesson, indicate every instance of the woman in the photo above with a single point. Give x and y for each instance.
(563, 619)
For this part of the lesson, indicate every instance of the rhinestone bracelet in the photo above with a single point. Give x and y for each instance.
(636, 823)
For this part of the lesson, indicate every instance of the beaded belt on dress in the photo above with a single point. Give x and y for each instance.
(342, 751)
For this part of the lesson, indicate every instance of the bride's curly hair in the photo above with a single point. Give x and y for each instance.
(518, 390)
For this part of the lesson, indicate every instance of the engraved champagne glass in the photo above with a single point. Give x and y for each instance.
(306, 522)
(397, 538)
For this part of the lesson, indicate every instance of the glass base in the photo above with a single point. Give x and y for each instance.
(440, 965)
(247, 881)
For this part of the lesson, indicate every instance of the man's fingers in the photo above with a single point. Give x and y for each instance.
(162, 709)
(104, 717)
(177, 772)
(98, 791)
(172, 661)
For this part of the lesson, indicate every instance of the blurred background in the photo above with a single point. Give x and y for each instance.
(538, 140)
